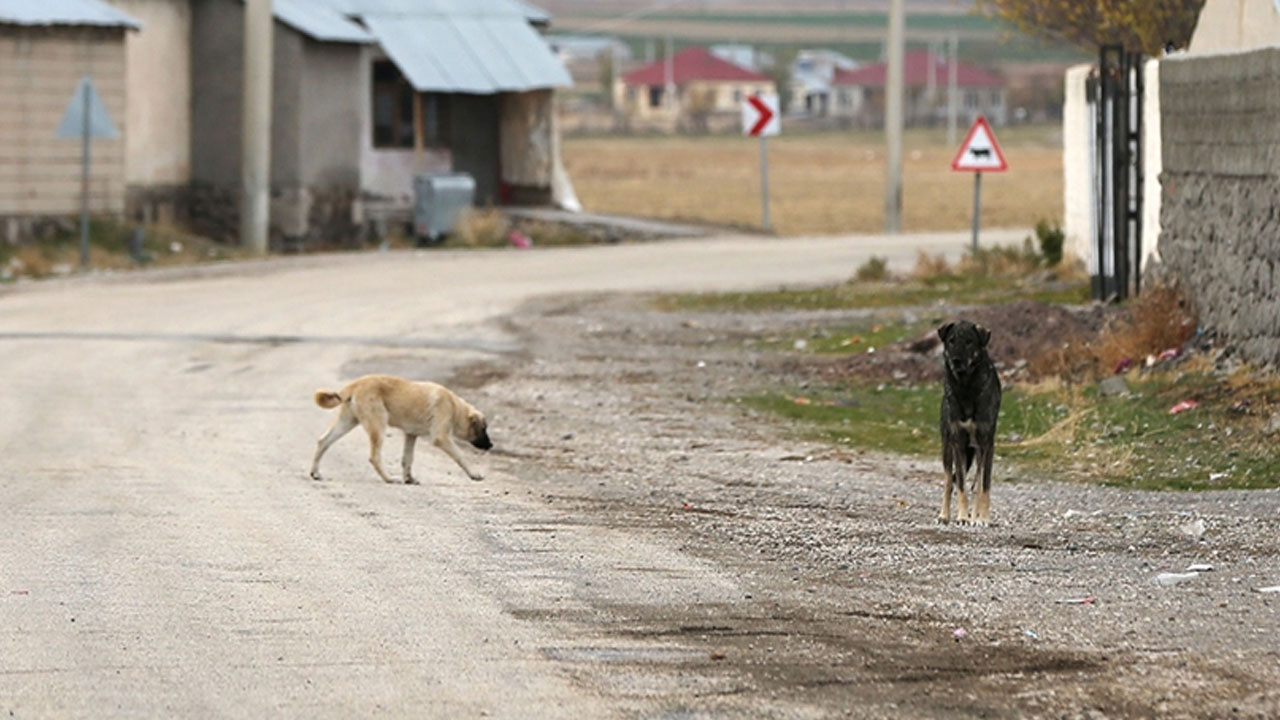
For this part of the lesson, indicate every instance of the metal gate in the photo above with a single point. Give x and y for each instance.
(1115, 99)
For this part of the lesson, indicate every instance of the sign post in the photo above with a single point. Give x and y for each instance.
(85, 118)
(760, 118)
(979, 153)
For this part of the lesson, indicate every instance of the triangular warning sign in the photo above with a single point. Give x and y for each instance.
(86, 100)
(979, 152)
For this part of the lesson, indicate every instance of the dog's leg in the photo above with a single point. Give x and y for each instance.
(944, 515)
(982, 514)
(406, 463)
(375, 423)
(445, 443)
(962, 508)
(342, 425)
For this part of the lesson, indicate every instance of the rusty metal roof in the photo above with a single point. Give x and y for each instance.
(64, 12)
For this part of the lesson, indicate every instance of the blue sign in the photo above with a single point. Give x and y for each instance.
(86, 100)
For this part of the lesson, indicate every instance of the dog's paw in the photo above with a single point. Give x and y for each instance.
(410, 480)
(477, 477)
(315, 475)
(942, 520)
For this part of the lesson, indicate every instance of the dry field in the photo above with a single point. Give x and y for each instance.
(820, 183)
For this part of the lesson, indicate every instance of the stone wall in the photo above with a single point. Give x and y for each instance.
(1220, 216)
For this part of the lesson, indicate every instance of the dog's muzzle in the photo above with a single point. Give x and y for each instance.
(482, 441)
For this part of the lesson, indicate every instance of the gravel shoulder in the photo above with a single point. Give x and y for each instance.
(848, 599)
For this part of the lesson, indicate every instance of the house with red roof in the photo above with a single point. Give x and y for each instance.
(688, 88)
(859, 94)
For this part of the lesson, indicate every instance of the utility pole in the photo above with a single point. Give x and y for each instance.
(255, 129)
(669, 78)
(893, 119)
(953, 93)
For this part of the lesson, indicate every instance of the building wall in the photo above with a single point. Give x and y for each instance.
(329, 139)
(1232, 25)
(1077, 165)
(1221, 182)
(40, 68)
(158, 72)
(315, 126)
(528, 147)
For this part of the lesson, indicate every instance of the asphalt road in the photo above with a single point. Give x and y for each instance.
(162, 552)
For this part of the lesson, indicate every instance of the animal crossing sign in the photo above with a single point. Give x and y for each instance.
(979, 153)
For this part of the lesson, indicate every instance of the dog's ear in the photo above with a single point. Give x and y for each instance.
(945, 330)
(983, 333)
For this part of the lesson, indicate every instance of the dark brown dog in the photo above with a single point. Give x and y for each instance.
(970, 406)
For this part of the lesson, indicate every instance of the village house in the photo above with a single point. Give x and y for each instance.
(860, 98)
(47, 48)
(811, 76)
(366, 94)
(693, 89)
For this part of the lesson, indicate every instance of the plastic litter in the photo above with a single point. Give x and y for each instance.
(1184, 406)
(1123, 365)
(1089, 600)
(1031, 634)
(1194, 529)
(1168, 578)
(519, 240)
(800, 344)
(1200, 567)
(959, 633)
(1271, 589)
(1170, 354)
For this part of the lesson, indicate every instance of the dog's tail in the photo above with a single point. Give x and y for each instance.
(327, 399)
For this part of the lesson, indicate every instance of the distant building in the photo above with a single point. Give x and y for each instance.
(365, 94)
(689, 89)
(811, 76)
(745, 56)
(587, 48)
(859, 94)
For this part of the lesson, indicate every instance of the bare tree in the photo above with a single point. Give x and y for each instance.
(1148, 26)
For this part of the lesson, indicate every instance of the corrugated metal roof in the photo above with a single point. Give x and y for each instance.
(316, 21)
(63, 12)
(522, 8)
(468, 52)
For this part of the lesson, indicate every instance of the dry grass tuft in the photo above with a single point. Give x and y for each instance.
(1162, 317)
(930, 266)
(485, 227)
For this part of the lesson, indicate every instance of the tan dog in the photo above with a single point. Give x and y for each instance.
(418, 408)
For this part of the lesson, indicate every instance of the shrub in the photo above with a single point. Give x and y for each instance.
(1050, 238)
(875, 268)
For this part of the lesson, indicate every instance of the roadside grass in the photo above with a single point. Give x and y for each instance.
(110, 248)
(1063, 432)
(913, 292)
(872, 332)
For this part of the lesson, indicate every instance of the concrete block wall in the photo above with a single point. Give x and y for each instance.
(1220, 215)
